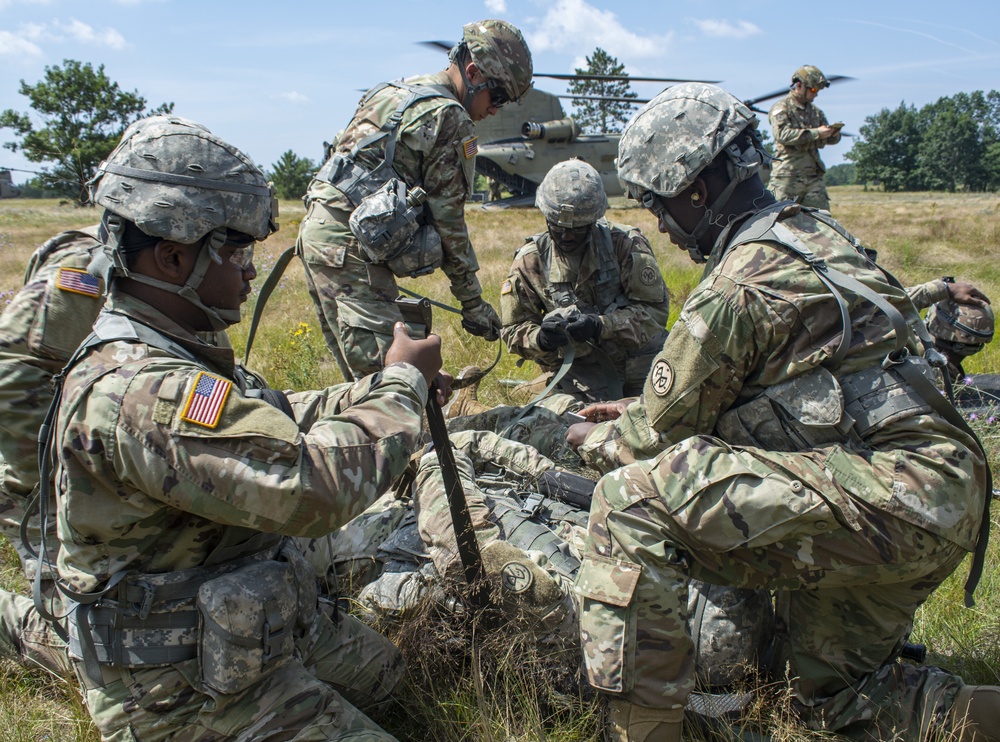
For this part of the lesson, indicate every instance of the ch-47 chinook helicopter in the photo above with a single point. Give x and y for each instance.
(523, 140)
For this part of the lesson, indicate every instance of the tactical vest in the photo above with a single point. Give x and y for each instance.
(608, 291)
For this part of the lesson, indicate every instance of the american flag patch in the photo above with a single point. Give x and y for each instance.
(506, 288)
(470, 147)
(78, 282)
(204, 403)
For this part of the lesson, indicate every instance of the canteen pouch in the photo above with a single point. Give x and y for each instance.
(248, 624)
(423, 255)
(804, 412)
(386, 220)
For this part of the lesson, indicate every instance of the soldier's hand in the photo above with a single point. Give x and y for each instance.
(825, 132)
(424, 354)
(552, 334)
(966, 293)
(481, 319)
(584, 327)
(603, 411)
(577, 433)
(442, 386)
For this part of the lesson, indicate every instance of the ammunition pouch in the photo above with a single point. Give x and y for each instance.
(385, 222)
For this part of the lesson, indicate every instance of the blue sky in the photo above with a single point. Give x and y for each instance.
(273, 76)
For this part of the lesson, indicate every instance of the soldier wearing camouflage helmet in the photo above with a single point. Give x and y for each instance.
(418, 224)
(800, 130)
(588, 284)
(789, 437)
(179, 473)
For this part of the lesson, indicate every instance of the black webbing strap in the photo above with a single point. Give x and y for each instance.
(266, 289)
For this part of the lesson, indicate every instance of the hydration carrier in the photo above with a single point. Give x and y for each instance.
(387, 219)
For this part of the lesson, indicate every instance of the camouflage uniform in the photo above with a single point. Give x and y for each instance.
(797, 172)
(853, 531)
(615, 276)
(353, 296)
(180, 490)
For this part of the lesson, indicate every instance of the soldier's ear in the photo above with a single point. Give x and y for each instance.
(173, 260)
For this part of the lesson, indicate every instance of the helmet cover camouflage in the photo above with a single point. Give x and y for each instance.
(811, 77)
(176, 180)
(501, 54)
(677, 134)
(963, 327)
(572, 195)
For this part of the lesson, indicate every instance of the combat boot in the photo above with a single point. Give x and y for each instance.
(975, 716)
(467, 402)
(628, 722)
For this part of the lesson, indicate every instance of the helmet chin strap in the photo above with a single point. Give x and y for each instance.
(219, 319)
(471, 91)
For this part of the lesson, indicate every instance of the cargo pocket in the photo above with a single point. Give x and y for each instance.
(248, 625)
(607, 622)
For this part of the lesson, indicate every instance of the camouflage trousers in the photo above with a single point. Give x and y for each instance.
(29, 639)
(808, 191)
(755, 519)
(353, 298)
(344, 665)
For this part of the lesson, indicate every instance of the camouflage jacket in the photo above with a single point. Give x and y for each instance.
(761, 316)
(794, 126)
(159, 456)
(39, 330)
(926, 294)
(633, 305)
(435, 150)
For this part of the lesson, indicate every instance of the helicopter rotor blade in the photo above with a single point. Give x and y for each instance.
(444, 46)
(750, 103)
(608, 98)
(615, 78)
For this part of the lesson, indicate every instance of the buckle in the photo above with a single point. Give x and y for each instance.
(895, 358)
(143, 608)
(532, 504)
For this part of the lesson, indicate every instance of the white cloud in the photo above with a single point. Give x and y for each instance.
(727, 29)
(293, 97)
(83, 33)
(15, 46)
(496, 6)
(573, 24)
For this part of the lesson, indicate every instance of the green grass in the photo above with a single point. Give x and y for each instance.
(508, 688)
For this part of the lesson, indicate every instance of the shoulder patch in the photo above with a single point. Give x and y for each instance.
(507, 287)
(79, 281)
(661, 377)
(470, 147)
(206, 399)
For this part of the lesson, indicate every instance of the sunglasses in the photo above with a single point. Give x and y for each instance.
(567, 232)
(813, 90)
(498, 96)
(242, 256)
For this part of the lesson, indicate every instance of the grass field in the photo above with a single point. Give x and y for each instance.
(494, 693)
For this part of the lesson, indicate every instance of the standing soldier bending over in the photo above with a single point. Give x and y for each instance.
(178, 473)
(390, 200)
(588, 285)
(791, 438)
(800, 129)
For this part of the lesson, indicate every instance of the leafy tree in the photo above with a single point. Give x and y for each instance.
(843, 174)
(83, 114)
(599, 116)
(291, 175)
(886, 151)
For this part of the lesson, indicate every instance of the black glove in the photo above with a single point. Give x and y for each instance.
(479, 318)
(552, 334)
(584, 327)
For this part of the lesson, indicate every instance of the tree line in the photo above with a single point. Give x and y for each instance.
(80, 114)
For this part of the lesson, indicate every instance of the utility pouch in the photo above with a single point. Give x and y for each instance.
(386, 220)
(801, 413)
(248, 625)
(422, 256)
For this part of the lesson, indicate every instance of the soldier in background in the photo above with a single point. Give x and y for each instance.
(588, 285)
(800, 129)
(178, 472)
(351, 273)
(766, 453)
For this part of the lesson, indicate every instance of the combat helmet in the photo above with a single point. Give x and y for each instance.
(501, 54)
(171, 178)
(810, 76)
(675, 136)
(960, 329)
(572, 195)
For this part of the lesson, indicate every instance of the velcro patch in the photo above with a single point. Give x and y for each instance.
(78, 282)
(516, 578)
(470, 147)
(206, 400)
(661, 377)
(506, 288)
